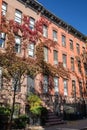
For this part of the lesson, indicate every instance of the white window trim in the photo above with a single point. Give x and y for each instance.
(64, 61)
(55, 60)
(45, 54)
(45, 31)
(56, 89)
(18, 43)
(31, 48)
(45, 84)
(18, 16)
(65, 87)
(55, 36)
(32, 23)
(2, 38)
(4, 8)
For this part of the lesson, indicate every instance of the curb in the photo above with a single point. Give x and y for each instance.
(35, 128)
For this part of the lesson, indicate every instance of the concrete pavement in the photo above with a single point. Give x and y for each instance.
(70, 125)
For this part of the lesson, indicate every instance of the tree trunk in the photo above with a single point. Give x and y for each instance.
(12, 109)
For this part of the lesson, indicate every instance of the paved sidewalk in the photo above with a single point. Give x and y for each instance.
(70, 125)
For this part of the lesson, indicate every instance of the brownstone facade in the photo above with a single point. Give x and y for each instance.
(70, 84)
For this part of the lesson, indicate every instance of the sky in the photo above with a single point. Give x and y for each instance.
(73, 12)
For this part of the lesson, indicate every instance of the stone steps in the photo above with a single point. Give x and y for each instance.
(53, 119)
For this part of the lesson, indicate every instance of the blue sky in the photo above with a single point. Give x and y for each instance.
(73, 12)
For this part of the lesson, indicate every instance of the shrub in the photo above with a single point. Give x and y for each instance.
(20, 122)
(5, 111)
(4, 116)
(35, 104)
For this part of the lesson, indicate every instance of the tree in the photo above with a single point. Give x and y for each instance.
(15, 67)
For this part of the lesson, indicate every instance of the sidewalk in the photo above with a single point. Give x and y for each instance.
(70, 125)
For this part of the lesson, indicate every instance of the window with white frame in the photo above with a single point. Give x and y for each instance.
(65, 84)
(4, 8)
(45, 31)
(18, 44)
(32, 23)
(18, 16)
(64, 60)
(45, 54)
(55, 55)
(1, 79)
(55, 35)
(2, 39)
(63, 40)
(56, 88)
(45, 84)
(31, 48)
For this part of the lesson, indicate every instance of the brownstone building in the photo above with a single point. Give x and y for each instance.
(70, 84)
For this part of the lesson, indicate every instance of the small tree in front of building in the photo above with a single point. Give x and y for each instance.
(15, 67)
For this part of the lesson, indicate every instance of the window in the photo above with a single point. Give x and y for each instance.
(63, 40)
(73, 88)
(45, 31)
(18, 16)
(4, 8)
(65, 87)
(1, 79)
(18, 44)
(56, 89)
(72, 63)
(71, 44)
(83, 49)
(55, 35)
(2, 39)
(64, 60)
(79, 66)
(80, 88)
(45, 84)
(30, 84)
(32, 23)
(31, 48)
(86, 86)
(78, 48)
(17, 83)
(85, 68)
(45, 54)
(16, 110)
(55, 54)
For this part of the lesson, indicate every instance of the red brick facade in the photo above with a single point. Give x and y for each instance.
(69, 44)
(0, 9)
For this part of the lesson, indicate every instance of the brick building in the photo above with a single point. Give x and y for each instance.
(0, 8)
(69, 44)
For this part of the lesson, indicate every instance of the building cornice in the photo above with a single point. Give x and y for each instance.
(37, 7)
